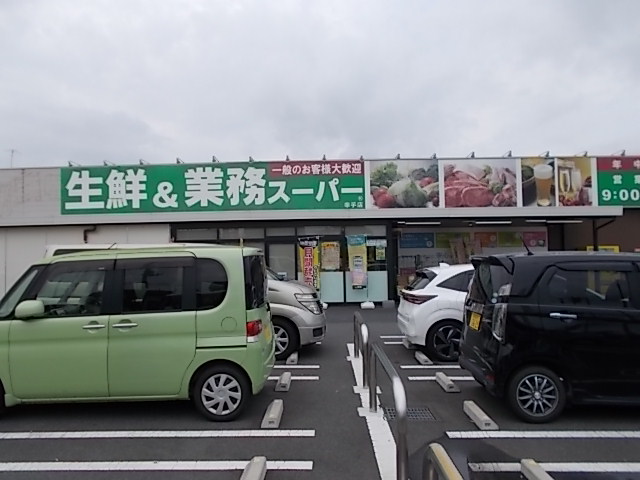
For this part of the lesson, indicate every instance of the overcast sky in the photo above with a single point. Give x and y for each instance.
(119, 80)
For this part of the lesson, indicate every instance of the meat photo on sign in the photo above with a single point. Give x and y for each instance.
(480, 183)
(404, 184)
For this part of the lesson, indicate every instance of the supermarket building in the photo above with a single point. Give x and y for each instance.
(357, 229)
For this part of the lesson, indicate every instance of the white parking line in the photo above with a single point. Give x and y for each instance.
(382, 441)
(566, 467)
(430, 378)
(296, 377)
(303, 367)
(611, 434)
(201, 465)
(391, 336)
(155, 434)
(392, 343)
(429, 367)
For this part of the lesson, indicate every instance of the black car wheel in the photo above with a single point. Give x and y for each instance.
(443, 341)
(536, 394)
(220, 392)
(286, 337)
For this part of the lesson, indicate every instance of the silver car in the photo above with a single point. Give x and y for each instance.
(297, 314)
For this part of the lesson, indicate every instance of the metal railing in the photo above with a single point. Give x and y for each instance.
(371, 355)
(437, 464)
(361, 345)
(399, 401)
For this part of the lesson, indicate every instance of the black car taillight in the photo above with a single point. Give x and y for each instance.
(417, 299)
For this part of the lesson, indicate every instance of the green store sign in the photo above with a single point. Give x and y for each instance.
(619, 181)
(330, 185)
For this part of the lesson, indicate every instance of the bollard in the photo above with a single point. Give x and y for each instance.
(256, 469)
(437, 464)
(273, 415)
(477, 416)
(284, 382)
(533, 471)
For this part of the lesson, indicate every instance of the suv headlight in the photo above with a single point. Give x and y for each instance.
(310, 302)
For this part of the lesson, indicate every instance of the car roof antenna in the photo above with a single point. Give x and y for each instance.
(524, 244)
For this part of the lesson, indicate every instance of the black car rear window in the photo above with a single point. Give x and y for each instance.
(487, 280)
(254, 281)
(422, 279)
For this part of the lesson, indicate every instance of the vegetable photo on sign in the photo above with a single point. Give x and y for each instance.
(404, 183)
(480, 183)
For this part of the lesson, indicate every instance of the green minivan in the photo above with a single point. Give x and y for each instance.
(141, 324)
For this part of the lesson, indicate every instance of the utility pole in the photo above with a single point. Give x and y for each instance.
(13, 150)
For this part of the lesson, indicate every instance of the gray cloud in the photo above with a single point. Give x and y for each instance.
(122, 80)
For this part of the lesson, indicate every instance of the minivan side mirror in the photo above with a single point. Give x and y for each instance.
(30, 309)
(282, 276)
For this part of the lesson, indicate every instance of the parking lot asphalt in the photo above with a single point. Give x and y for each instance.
(596, 439)
(321, 434)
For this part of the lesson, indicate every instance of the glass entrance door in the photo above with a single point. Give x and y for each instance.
(282, 259)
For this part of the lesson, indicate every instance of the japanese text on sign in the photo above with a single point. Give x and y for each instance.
(619, 181)
(206, 188)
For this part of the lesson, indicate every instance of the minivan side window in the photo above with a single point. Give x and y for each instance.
(153, 286)
(211, 283)
(71, 289)
(11, 299)
(599, 288)
(255, 282)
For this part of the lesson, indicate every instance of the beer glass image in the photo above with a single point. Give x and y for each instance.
(543, 175)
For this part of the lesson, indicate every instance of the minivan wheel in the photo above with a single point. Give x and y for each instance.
(220, 392)
(536, 394)
(443, 341)
(286, 338)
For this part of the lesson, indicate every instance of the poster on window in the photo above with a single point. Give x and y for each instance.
(357, 248)
(309, 251)
(330, 256)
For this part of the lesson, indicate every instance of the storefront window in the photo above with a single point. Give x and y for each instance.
(281, 232)
(196, 234)
(319, 230)
(369, 230)
(237, 233)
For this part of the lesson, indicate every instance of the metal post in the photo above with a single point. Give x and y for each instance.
(361, 343)
(594, 229)
(400, 403)
(402, 453)
(364, 331)
(373, 386)
(356, 337)
(437, 464)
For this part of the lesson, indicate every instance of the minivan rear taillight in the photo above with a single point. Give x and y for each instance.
(254, 328)
(417, 299)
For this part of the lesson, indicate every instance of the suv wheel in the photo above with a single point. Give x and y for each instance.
(286, 338)
(443, 341)
(536, 394)
(220, 392)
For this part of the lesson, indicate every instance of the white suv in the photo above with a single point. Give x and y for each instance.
(431, 309)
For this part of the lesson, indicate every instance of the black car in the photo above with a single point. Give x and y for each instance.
(546, 330)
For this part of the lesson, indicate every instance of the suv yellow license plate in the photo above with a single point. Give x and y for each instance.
(474, 321)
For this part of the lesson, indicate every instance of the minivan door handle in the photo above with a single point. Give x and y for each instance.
(564, 316)
(93, 326)
(127, 324)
